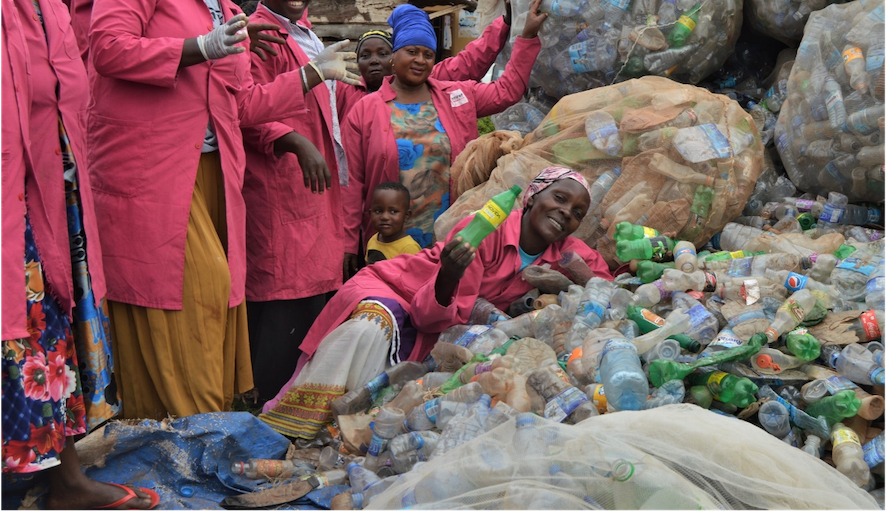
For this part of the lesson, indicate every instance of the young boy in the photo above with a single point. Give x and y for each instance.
(388, 211)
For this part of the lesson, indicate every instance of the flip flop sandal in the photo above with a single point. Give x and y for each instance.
(130, 494)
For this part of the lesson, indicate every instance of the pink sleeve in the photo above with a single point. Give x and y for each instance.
(428, 315)
(494, 97)
(120, 51)
(595, 261)
(277, 100)
(474, 61)
(352, 195)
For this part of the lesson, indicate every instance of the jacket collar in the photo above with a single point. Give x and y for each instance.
(436, 87)
(511, 237)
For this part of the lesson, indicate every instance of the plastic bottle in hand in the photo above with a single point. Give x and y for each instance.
(624, 381)
(602, 132)
(727, 388)
(770, 361)
(790, 314)
(388, 424)
(848, 454)
(774, 419)
(490, 216)
(685, 257)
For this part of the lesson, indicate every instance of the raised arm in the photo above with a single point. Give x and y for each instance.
(474, 61)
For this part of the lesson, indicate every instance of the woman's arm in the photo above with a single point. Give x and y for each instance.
(352, 195)
(475, 60)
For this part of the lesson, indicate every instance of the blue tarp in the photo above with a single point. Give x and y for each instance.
(188, 461)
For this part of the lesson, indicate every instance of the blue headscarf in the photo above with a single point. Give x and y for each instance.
(412, 26)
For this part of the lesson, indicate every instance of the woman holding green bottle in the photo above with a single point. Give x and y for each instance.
(394, 310)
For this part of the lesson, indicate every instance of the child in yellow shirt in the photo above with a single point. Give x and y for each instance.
(388, 212)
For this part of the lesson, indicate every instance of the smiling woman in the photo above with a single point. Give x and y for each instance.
(412, 129)
(394, 310)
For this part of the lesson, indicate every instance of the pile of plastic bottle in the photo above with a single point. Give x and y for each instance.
(784, 20)
(590, 43)
(829, 131)
(778, 327)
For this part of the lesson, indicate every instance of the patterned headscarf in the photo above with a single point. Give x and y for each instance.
(549, 176)
(374, 34)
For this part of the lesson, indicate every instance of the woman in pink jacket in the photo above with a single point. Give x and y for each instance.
(415, 126)
(171, 90)
(57, 371)
(394, 310)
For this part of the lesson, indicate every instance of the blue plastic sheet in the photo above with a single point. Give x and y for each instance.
(188, 461)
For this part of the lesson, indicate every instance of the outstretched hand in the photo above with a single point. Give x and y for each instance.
(454, 260)
(534, 19)
(334, 64)
(257, 38)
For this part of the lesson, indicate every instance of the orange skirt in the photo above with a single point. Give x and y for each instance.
(193, 360)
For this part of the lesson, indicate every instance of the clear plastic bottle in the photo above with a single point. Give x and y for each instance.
(388, 424)
(704, 324)
(685, 257)
(602, 132)
(773, 417)
(770, 361)
(410, 448)
(486, 313)
(660, 62)
(601, 186)
(331, 458)
(477, 338)
(790, 314)
(834, 102)
(650, 294)
(676, 323)
(254, 468)
(857, 364)
(812, 446)
(360, 477)
(623, 378)
(848, 454)
(853, 60)
(876, 287)
(874, 451)
(360, 399)
(814, 390)
(563, 8)
(591, 310)
(552, 385)
(678, 280)
(531, 447)
(822, 267)
(465, 426)
(709, 141)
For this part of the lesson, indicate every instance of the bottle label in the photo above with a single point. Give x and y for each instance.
(493, 214)
(710, 282)
(600, 398)
(589, 308)
(714, 382)
(746, 316)
(798, 331)
(804, 204)
(621, 4)
(875, 218)
(795, 281)
(472, 333)
(698, 295)
(652, 317)
(684, 250)
(794, 309)
(376, 445)
(482, 367)
(852, 54)
(616, 344)
(841, 435)
(738, 254)
(431, 408)
(376, 384)
(831, 213)
(874, 283)
(791, 439)
(833, 99)
(662, 292)
(564, 403)
(856, 265)
(602, 133)
(838, 384)
(750, 291)
(719, 143)
(874, 60)
(649, 232)
(870, 325)
(687, 22)
(873, 452)
(697, 315)
(727, 339)
(269, 468)
(740, 267)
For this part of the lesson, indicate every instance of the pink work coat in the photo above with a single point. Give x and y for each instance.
(410, 279)
(32, 162)
(294, 243)
(469, 64)
(369, 140)
(147, 122)
(81, 12)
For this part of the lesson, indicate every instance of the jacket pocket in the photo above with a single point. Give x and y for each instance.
(295, 200)
(118, 163)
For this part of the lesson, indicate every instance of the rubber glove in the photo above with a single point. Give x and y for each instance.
(332, 64)
(222, 41)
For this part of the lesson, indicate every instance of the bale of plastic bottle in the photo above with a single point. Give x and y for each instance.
(784, 20)
(522, 117)
(674, 457)
(670, 156)
(830, 130)
(473, 165)
(591, 43)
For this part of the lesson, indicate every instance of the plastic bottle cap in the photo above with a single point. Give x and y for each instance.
(622, 470)
(186, 491)
(765, 361)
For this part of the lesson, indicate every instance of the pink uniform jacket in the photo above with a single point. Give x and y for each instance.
(369, 140)
(294, 243)
(469, 64)
(410, 279)
(147, 122)
(31, 151)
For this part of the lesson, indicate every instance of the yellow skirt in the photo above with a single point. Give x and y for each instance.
(183, 362)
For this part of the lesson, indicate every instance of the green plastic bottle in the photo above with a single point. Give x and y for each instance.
(701, 201)
(648, 321)
(649, 271)
(727, 388)
(807, 221)
(628, 231)
(490, 216)
(844, 251)
(722, 256)
(802, 345)
(842, 405)
(662, 370)
(683, 28)
(657, 249)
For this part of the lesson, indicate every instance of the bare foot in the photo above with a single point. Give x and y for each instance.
(92, 494)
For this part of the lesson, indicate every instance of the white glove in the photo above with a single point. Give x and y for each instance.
(223, 38)
(332, 64)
